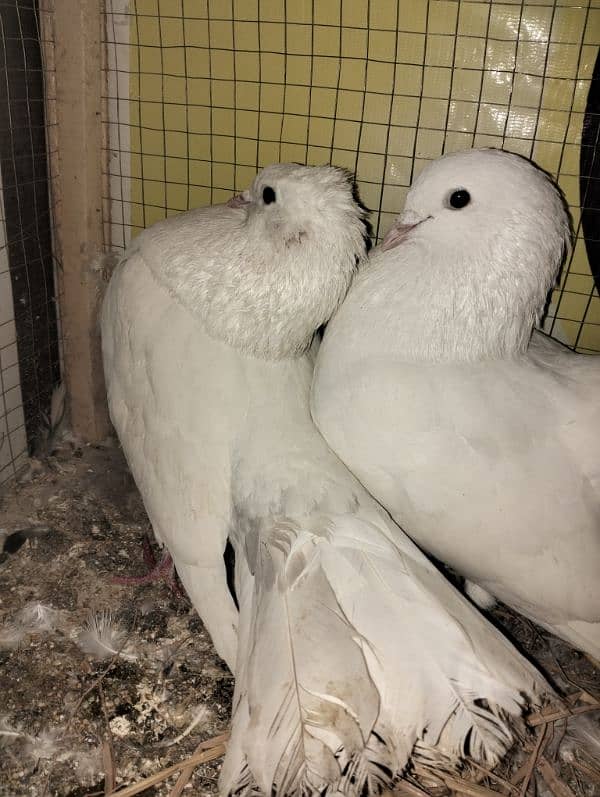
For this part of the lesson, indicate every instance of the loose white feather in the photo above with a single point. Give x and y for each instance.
(201, 714)
(12, 636)
(38, 616)
(9, 732)
(88, 763)
(34, 617)
(49, 743)
(102, 636)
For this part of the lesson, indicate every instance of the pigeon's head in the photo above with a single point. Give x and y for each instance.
(483, 195)
(288, 263)
(288, 203)
(489, 231)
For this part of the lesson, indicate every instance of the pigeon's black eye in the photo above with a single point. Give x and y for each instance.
(459, 199)
(268, 195)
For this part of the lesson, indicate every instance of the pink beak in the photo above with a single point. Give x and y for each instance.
(399, 233)
(239, 200)
(396, 235)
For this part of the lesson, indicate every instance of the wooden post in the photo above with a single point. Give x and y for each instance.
(77, 194)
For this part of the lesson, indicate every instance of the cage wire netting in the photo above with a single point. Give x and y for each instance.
(199, 94)
(202, 93)
(29, 338)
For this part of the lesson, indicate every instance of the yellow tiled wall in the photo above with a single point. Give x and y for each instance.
(219, 88)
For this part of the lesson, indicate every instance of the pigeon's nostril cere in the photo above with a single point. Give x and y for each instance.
(238, 201)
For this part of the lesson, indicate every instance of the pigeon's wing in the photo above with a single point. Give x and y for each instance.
(468, 460)
(359, 657)
(175, 396)
(577, 380)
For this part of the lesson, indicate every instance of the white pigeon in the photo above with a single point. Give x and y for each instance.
(355, 656)
(479, 438)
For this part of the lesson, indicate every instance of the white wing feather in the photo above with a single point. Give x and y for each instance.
(174, 432)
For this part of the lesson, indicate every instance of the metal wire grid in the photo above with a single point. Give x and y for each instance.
(203, 93)
(13, 441)
(29, 351)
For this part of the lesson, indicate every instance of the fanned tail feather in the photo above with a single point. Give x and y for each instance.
(477, 728)
(359, 657)
(446, 677)
(236, 777)
(312, 703)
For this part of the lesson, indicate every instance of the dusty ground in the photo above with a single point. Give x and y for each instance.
(67, 716)
(66, 703)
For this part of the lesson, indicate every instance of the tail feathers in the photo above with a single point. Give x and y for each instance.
(361, 657)
(375, 769)
(313, 705)
(235, 777)
(369, 772)
(476, 728)
(446, 677)
(317, 702)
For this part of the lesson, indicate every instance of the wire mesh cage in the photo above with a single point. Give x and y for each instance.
(196, 95)
(202, 94)
(29, 337)
(115, 114)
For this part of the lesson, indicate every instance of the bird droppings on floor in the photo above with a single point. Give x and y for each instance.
(104, 685)
(95, 676)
